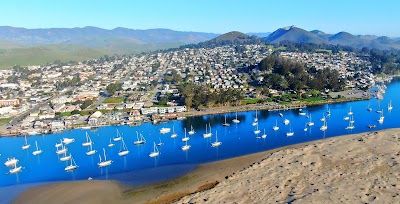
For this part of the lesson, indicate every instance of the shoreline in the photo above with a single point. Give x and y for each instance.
(204, 177)
(213, 111)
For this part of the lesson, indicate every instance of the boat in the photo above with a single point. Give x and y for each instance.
(305, 127)
(185, 147)
(286, 122)
(310, 122)
(324, 127)
(65, 157)
(58, 145)
(346, 118)
(11, 162)
(110, 144)
(26, 145)
(257, 131)
(123, 150)
(236, 120)
(186, 138)
(328, 111)
(139, 140)
(369, 109)
(281, 115)
(371, 126)
(225, 123)
(255, 122)
(165, 130)
(86, 127)
(290, 133)
(72, 165)
(302, 113)
(381, 118)
(155, 152)
(16, 169)
(264, 135)
(160, 143)
(191, 132)
(323, 119)
(61, 150)
(91, 151)
(390, 106)
(88, 141)
(216, 143)
(105, 162)
(207, 134)
(350, 112)
(276, 127)
(351, 120)
(118, 137)
(181, 118)
(174, 135)
(37, 151)
(68, 141)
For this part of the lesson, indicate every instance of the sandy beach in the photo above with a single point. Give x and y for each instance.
(360, 168)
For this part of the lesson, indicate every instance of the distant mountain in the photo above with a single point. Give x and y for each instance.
(298, 35)
(293, 34)
(260, 35)
(230, 38)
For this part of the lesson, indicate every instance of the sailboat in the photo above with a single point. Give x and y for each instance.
(305, 127)
(381, 118)
(118, 137)
(186, 138)
(91, 151)
(264, 135)
(11, 162)
(369, 109)
(276, 127)
(390, 106)
(185, 147)
(58, 145)
(110, 144)
(139, 140)
(324, 127)
(286, 122)
(65, 157)
(255, 122)
(302, 113)
(346, 118)
(310, 122)
(37, 151)
(68, 141)
(160, 143)
(26, 145)
(216, 143)
(123, 150)
(15, 169)
(236, 120)
(328, 112)
(350, 112)
(155, 152)
(191, 132)
(174, 135)
(225, 123)
(88, 141)
(257, 131)
(62, 150)
(290, 133)
(207, 134)
(72, 165)
(105, 162)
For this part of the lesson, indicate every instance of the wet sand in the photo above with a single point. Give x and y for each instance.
(357, 168)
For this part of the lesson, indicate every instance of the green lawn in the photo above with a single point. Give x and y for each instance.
(114, 100)
(4, 121)
(251, 101)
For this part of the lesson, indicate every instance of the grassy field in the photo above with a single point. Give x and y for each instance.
(4, 121)
(114, 100)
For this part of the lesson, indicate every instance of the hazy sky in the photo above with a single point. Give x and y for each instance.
(380, 17)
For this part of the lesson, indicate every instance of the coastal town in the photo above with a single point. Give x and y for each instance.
(130, 89)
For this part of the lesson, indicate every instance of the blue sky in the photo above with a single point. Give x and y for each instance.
(356, 16)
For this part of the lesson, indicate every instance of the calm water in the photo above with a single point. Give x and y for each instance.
(137, 168)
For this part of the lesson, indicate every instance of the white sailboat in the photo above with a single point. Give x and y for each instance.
(390, 106)
(118, 137)
(88, 141)
(286, 121)
(72, 165)
(105, 162)
(207, 134)
(186, 138)
(37, 151)
(350, 112)
(290, 133)
(255, 122)
(257, 131)
(155, 152)
(110, 144)
(68, 141)
(324, 127)
(216, 143)
(185, 147)
(58, 145)
(191, 132)
(174, 135)
(381, 118)
(160, 142)
(16, 169)
(61, 150)
(369, 109)
(305, 127)
(123, 150)
(11, 162)
(225, 123)
(165, 130)
(264, 135)
(65, 157)
(346, 118)
(26, 145)
(310, 122)
(276, 127)
(236, 120)
(139, 140)
(91, 151)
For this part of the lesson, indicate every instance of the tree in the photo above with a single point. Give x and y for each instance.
(114, 87)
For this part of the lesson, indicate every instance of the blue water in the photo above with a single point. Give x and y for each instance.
(137, 168)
